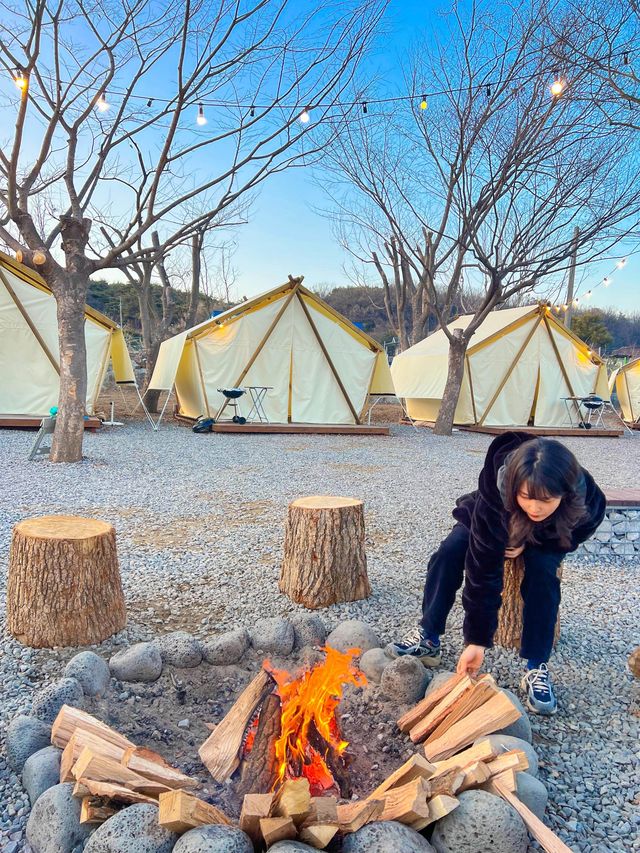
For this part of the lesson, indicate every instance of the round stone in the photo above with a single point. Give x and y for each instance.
(180, 649)
(132, 830)
(41, 771)
(25, 735)
(404, 680)
(227, 648)
(522, 726)
(289, 846)
(140, 662)
(372, 663)
(54, 823)
(384, 837)
(353, 634)
(438, 680)
(272, 636)
(533, 793)
(214, 839)
(308, 630)
(91, 671)
(481, 822)
(48, 701)
(505, 743)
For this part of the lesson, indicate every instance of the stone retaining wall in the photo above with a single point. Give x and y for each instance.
(618, 535)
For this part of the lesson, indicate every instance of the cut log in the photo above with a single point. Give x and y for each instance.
(514, 759)
(495, 714)
(415, 767)
(439, 807)
(474, 775)
(63, 585)
(101, 769)
(509, 633)
(220, 753)
(68, 759)
(322, 810)
(543, 835)
(418, 712)
(432, 720)
(448, 783)
(254, 808)
(481, 751)
(468, 702)
(293, 800)
(407, 803)
(275, 829)
(96, 810)
(324, 559)
(507, 778)
(110, 792)
(318, 835)
(259, 768)
(180, 812)
(69, 719)
(353, 816)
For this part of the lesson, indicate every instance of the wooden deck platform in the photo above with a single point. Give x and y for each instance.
(31, 422)
(549, 432)
(622, 497)
(308, 429)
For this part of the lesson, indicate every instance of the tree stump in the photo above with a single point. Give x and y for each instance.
(64, 585)
(509, 631)
(324, 558)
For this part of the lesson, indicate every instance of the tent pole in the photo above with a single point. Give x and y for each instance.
(27, 319)
(100, 377)
(473, 396)
(202, 385)
(562, 367)
(266, 337)
(328, 357)
(509, 372)
(626, 382)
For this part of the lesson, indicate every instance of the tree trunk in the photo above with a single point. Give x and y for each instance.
(455, 374)
(63, 584)
(196, 249)
(324, 557)
(509, 631)
(150, 336)
(72, 397)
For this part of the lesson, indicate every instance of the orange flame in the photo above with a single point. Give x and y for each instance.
(311, 701)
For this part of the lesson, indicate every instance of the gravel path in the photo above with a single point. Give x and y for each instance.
(200, 520)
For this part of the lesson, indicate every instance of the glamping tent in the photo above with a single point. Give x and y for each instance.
(627, 384)
(519, 365)
(319, 367)
(29, 351)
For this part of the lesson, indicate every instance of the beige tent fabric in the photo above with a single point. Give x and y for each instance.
(288, 340)
(514, 371)
(628, 390)
(29, 349)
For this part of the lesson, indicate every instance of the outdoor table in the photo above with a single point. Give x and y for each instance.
(578, 401)
(257, 393)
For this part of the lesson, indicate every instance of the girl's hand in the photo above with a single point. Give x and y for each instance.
(470, 660)
(512, 553)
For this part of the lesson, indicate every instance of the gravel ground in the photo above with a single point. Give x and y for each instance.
(200, 525)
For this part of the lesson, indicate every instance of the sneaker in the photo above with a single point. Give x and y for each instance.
(417, 646)
(540, 696)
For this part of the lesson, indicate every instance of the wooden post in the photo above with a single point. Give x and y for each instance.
(509, 631)
(324, 557)
(64, 582)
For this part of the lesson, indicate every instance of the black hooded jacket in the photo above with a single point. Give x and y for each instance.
(484, 514)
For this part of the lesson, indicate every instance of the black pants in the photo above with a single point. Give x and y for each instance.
(540, 592)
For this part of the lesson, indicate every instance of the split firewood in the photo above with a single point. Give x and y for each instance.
(481, 751)
(181, 811)
(102, 769)
(448, 783)
(543, 835)
(318, 835)
(68, 759)
(508, 778)
(96, 810)
(439, 807)
(109, 791)
(408, 803)
(415, 767)
(474, 775)
(353, 816)
(477, 696)
(293, 800)
(220, 753)
(432, 720)
(322, 810)
(495, 714)
(275, 829)
(514, 759)
(254, 808)
(414, 715)
(69, 719)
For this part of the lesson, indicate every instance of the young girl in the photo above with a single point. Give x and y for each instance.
(533, 498)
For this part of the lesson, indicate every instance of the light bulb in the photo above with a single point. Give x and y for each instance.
(101, 102)
(564, 307)
(588, 294)
(621, 263)
(423, 103)
(606, 281)
(19, 79)
(557, 87)
(304, 115)
(589, 353)
(576, 301)
(201, 118)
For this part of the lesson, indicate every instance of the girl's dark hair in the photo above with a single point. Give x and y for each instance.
(547, 469)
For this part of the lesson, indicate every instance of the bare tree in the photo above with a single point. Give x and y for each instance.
(143, 164)
(491, 179)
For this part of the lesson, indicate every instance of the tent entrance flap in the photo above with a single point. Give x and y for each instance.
(29, 322)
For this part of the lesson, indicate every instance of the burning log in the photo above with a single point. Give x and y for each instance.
(259, 767)
(96, 810)
(275, 829)
(180, 812)
(220, 753)
(255, 807)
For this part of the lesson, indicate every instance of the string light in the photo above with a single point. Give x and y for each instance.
(101, 101)
(606, 281)
(201, 119)
(304, 115)
(149, 102)
(621, 263)
(557, 87)
(587, 295)
(488, 91)
(625, 57)
(252, 111)
(19, 79)
(423, 103)
(364, 107)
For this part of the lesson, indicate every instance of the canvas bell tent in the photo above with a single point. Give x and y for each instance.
(29, 351)
(626, 381)
(519, 365)
(319, 367)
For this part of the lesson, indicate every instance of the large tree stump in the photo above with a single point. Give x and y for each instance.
(324, 558)
(64, 582)
(509, 631)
